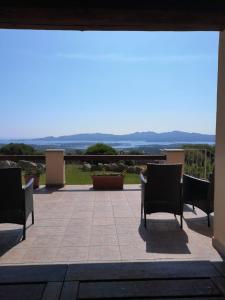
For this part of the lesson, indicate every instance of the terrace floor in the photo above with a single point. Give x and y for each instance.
(76, 224)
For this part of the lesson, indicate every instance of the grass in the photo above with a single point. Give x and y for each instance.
(76, 176)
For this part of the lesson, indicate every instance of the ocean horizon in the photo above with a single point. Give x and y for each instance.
(84, 144)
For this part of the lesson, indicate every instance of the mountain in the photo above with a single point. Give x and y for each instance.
(148, 136)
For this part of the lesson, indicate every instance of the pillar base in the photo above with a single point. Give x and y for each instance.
(218, 246)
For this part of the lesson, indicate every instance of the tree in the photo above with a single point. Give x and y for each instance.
(17, 149)
(100, 149)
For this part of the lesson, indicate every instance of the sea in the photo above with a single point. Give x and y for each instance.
(69, 144)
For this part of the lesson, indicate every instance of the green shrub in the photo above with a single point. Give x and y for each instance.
(100, 149)
(17, 149)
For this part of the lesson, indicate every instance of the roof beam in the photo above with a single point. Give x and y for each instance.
(177, 15)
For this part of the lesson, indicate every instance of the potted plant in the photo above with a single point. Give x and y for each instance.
(32, 170)
(108, 181)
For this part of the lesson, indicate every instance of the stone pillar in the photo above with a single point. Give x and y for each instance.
(219, 195)
(55, 168)
(175, 156)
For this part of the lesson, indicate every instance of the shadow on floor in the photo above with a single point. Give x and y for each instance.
(44, 190)
(188, 208)
(200, 225)
(164, 236)
(9, 239)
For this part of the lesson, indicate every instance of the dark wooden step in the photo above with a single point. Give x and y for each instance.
(148, 289)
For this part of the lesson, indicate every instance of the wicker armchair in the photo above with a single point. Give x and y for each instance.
(199, 193)
(16, 202)
(161, 190)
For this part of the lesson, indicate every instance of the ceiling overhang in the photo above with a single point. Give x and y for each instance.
(152, 15)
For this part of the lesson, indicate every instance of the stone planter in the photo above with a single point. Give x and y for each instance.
(107, 182)
(36, 178)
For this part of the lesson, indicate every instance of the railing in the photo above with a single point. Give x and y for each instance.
(16, 158)
(87, 158)
(77, 172)
(199, 162)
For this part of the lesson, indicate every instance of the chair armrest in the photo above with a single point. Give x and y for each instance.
(196, 179)
(143, 179)
(28, 195)
(195, 190)
(29, 185)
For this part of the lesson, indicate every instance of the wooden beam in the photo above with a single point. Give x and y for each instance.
(105, 158)
(114, 14)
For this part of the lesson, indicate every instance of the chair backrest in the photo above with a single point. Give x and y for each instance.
(10, 188)
(164, 183)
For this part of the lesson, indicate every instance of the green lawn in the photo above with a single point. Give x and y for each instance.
(76, 176)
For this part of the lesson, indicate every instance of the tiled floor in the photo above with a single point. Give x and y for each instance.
(77, 224)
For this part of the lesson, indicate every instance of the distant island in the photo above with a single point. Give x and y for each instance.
(146, 142)
(148, 136)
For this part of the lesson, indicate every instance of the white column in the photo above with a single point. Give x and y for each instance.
(219, 196)
(55, 167)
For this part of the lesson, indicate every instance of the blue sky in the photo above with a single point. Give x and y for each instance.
(66, 82)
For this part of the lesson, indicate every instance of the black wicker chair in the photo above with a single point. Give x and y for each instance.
(161, 190)
(199, 193)
(16, 202)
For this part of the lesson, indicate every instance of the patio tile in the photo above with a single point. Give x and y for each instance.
(13, 256)
(83, 229)
(52, 215)
(28, 243)
(122, 203)
(130, 239)
(77, 224)
(51, 222)
(75, 240)
(136, 252)
(103, 221)
(101, 196)
(136, 212)
(126, 228)
(103, 214)
(127, 220)
(104, 253)
(45, 241)
(103, 209)
(99, 239)
(40, 255)
(82, 214)
(45, 231)
(72, 254)
(102, 203)
(80, 221)
(103, 229)
(125, 213)
(80, 209)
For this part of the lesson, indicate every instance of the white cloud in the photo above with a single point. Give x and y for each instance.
(111, 57)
